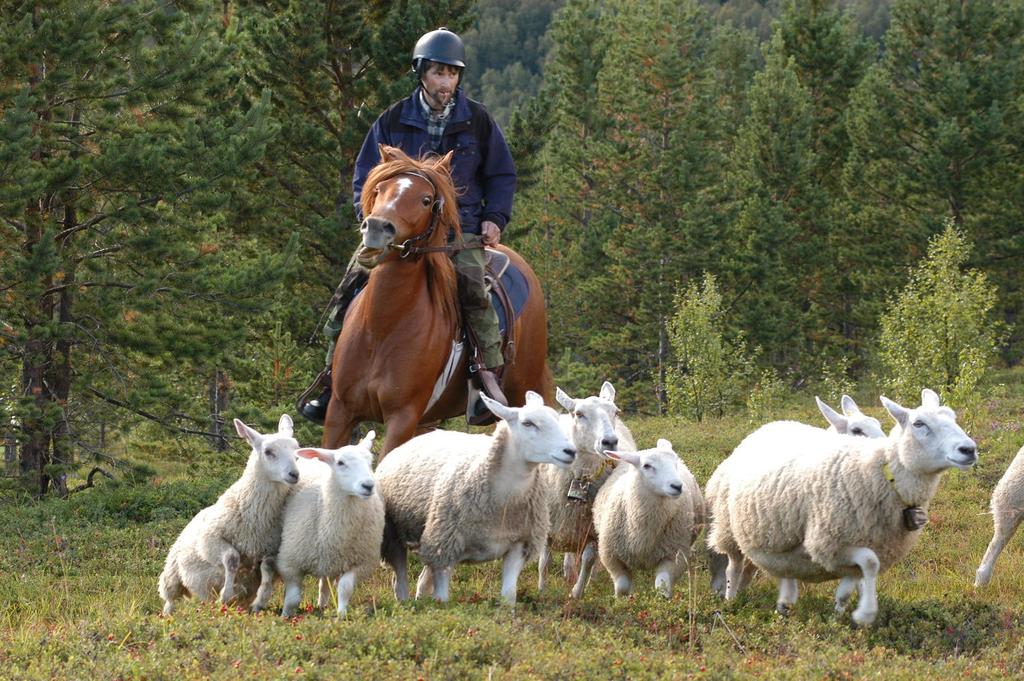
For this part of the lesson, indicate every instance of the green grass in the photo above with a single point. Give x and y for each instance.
(78, 596)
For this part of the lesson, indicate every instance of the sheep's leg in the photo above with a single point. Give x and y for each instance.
(395, 554)
(346, 585)
(664, 578)
(515, 559)
(266, 589)
(734, 575)
(586, 567)
(570, 562)
(749, 570)
(324, 596)
(171, 587)
(543, 561)
(1004, 529)
(621, 575)
(442, 579)
(847, 587)
(867, 561)
(230, 560)
(425, 582)
(789, 590)
(717, 563)
(292, 596)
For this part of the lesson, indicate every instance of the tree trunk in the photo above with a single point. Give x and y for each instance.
(219, 402)
(10, 454)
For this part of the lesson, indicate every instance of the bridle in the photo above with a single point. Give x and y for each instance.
(407, 247)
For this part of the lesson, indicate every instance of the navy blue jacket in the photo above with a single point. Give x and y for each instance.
(482, 166)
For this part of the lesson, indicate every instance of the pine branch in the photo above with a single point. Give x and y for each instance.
(151, 417)
(88, 480)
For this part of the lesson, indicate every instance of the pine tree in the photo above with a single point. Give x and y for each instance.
(937, 132)
(555, 225)
(776, 237)
(654, 168)
(120, 268)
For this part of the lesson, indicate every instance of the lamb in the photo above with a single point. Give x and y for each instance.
(593, 425)
(471, 498)
(852, 421)
(224, 543)
(648, 515)
(333, 525)
(1007, 512)
(802, 503)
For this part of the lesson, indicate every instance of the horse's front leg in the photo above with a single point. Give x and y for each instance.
(401, 427)
(339, 423)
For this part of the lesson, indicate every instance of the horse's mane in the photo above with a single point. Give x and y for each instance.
(440, 270)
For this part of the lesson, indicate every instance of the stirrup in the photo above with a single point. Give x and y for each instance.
(491, 387)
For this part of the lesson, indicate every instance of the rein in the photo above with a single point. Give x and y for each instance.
(406, 248)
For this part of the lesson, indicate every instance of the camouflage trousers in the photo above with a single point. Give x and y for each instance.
(478, 312)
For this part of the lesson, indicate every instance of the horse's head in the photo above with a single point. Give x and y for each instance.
(406, 202)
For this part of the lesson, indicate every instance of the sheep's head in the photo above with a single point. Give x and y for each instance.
(351, 466)
(535, 432)
(852, 421)
(274, 452)
(593, 419)
(658, 468)
(930, 439)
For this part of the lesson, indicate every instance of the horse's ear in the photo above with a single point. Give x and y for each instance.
(444, 164)
(386, 153)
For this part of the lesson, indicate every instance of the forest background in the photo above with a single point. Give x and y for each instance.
(175, 204)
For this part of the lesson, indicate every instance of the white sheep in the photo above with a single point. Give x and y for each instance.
(648, 515)
(471, 498)
(1007, 512)
(852, 421)
(225, 543)
(803, 503)
(593, 425)
(333, 525)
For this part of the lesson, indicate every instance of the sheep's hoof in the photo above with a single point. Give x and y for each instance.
(783, 609)
(864, 619)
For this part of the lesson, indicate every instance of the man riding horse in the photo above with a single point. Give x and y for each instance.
(438, 118)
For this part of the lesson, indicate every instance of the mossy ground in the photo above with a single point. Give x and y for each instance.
(78, 597)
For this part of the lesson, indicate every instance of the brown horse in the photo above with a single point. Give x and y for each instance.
(398, 332)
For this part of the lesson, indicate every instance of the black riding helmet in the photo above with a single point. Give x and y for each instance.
(441, 46)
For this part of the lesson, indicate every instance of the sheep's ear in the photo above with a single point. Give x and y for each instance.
(631, 458)
(325, 455)
(665, 446)
(607, 392)
(930, 398)
(900, 414)
(533, 399)
(837, 420)
(285, 426)
(498, 409)
(248, 434)
(367, 440)
(850, 407)
(563, 399)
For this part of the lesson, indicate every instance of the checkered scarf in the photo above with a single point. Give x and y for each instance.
(436, 121)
